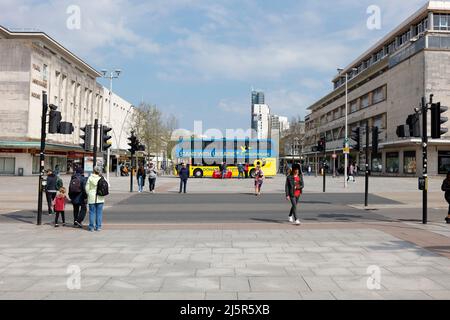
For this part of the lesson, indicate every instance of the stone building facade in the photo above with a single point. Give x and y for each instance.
(32, 63)
(385, 84)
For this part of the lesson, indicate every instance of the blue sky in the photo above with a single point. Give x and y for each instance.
(200, 59)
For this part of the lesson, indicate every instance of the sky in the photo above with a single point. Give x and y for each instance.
(199, 59)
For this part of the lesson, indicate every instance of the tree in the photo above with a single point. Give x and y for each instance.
(154, 129)
(293, 138)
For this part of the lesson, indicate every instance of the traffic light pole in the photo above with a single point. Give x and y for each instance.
(42, 157)
(323, 168)
(95, 141)
(425, 158)
(366, 193)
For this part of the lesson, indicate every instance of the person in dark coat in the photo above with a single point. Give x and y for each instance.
(184, 176)
(78, 197)
(53, 184)
(446, 188)
(294, 186)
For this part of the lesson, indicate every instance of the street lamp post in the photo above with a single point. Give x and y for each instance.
(112, 75)
(346, 125)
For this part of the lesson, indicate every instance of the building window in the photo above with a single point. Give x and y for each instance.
(378, 95)
(7, 165)
(409, 162)
(392, 162)
(45, 72)
(377, 163)
(365, 101)
(353, 106)
(444, 162)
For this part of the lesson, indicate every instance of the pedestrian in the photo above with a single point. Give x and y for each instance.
(78, 197)
(152, 174)
(184, 176)
(57, 170)
(259, 179)
(351, 173)
(446, 188)
(224, 170)
(309, 170)
(240, 171)
(141, 178)
(96, 189)
(246, 169)
(53, 184)
(59, 205)
(294, 187)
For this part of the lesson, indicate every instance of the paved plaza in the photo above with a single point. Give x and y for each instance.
(155, 246)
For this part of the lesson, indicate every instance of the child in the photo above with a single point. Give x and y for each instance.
(59, 205)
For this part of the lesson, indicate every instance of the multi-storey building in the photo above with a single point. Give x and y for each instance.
(32, 63)
(261, 121)
(385, 84)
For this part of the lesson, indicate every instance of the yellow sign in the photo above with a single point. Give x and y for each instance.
(346, 150)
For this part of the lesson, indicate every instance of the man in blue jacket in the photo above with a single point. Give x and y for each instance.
(184, 176)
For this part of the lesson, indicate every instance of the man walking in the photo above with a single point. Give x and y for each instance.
(351, 173)
(241, 170)
(446, 188)
(78, 196)
(184, 176)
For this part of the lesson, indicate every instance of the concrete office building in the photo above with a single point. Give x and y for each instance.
(390, 79)
(30, 63)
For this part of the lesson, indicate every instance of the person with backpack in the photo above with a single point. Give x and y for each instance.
(152, 175)
(293, 188)
(240, 171)
(96, 189)
(78, 196)
(53, 184)
(259, 179)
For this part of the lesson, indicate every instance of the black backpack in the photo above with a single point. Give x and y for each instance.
(75, 185)
(102, 187)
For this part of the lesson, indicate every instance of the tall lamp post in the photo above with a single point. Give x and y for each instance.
(110, 75)
(340, 70)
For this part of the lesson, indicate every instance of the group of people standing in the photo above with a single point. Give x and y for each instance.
(83, 192)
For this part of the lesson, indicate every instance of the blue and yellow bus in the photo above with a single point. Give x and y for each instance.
(204, 156)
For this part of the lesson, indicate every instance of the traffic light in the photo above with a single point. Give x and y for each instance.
(413, 122)
(356, 136)
(54, 120)
(141, 147)
(65, 127)
(134, 143)
(105, 138)
(86, 137)
(437, 120)
(321, 145)
(375, 132)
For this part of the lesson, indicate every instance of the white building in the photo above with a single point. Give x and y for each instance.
(261, 121)
(32, 63)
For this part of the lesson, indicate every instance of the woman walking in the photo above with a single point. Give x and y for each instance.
(152, 174)
(294, 187)
(446, 188)
(141, 178)
(259, 179)
(95, 201)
